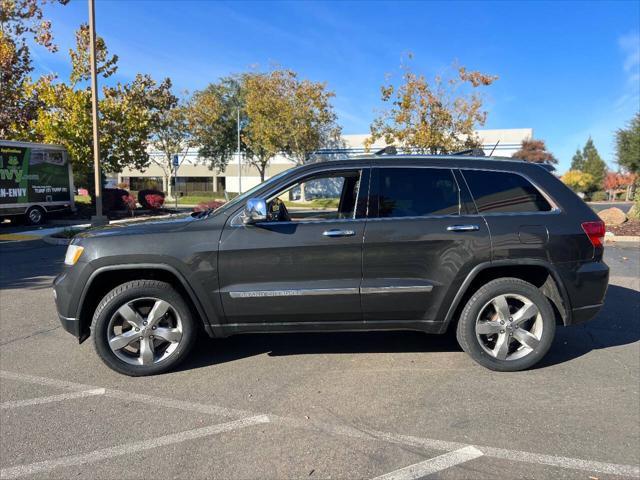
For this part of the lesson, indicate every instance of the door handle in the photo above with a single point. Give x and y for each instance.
(462, 228)
(339, 233)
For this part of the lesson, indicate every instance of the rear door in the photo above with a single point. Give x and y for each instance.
(420, 242)
(305, 264)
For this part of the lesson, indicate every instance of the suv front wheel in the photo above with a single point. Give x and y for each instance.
(143, 327)
(507, 325)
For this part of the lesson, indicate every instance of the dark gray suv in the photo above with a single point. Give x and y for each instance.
(500, 250)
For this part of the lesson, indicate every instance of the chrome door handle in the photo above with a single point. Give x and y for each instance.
(339, 233)
(462, 228)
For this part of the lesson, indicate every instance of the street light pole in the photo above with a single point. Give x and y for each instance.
(98, 219)
(239, 158)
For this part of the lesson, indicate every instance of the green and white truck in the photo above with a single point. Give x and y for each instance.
(35, 179)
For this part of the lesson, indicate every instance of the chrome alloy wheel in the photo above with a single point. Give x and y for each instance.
(144, 331)
(509, 327)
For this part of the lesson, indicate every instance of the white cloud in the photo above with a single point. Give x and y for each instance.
(630, 46)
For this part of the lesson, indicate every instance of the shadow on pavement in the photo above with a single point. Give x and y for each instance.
(617, 324)
(30, 264)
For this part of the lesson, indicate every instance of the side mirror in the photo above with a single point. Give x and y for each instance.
(255, 211)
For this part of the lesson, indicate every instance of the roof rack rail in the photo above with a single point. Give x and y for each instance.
(388, 150)
(474, 152)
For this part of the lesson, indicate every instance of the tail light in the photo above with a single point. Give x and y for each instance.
(595, 231)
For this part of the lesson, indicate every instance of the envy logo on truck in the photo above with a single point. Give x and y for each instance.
(12, 192)
(13, 168)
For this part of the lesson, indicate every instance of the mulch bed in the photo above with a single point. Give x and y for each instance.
(630, 227)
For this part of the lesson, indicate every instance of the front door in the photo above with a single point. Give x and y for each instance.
(304, 263)
(420, 242)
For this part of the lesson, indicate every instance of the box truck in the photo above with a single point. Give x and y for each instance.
(35, 179)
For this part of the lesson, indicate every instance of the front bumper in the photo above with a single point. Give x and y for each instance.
(67, 290)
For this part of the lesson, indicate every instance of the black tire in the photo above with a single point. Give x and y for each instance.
(472, 343)
(132, 291)
(35, 216)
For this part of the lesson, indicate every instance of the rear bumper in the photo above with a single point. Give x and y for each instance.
(586, 285)
(584, 314)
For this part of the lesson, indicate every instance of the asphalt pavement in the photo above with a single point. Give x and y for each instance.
(397, 405)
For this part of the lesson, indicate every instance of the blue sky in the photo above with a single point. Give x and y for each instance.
(567, 69)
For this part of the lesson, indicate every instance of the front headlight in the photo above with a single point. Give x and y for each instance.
(73, 254)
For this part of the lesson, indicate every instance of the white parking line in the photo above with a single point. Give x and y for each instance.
(433, 465)
(53, 398)
(129, 448)
(362, 433)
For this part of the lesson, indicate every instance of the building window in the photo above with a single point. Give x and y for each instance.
(145, 183)
(193, 185)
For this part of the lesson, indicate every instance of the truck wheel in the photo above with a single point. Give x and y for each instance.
(35, 216)
(507, 325)
(143, 327)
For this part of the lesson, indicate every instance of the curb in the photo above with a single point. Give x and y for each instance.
(56, 241)
(623, 238)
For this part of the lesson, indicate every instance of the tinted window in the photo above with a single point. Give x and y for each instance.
(414, 192)
(504, 192)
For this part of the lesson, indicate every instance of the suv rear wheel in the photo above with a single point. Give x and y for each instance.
(507, 325)
(143, 327)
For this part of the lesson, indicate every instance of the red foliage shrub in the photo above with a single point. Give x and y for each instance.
(203, 206)
(112, 199)
(130, 202)
(154, 200)
(151, 199)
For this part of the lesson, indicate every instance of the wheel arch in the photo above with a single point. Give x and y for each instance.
(538, 272)
(104, 279)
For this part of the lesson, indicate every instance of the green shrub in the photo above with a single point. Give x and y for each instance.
(634, 212)
(599, 196)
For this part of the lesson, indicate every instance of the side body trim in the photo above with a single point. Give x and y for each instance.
(330, 291)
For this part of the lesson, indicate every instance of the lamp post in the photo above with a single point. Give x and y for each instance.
(239, 158)
(99, 218)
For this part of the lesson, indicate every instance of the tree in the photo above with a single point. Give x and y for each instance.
(127, 116)
(534, 151)
(593, 164)
(170, 135)
(433, 117)
(579, 181)
(266, 102)
(212, 119)
(20, 20)
(577, 161)
(628, 146)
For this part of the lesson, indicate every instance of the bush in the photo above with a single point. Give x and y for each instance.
(634, 212)
(130, 202)
(599, 196)
(113, 199)
(203, 206)
(151, 199)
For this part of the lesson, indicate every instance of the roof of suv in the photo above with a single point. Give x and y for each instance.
(451, 161)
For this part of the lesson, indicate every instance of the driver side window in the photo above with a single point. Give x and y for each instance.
(326, 196)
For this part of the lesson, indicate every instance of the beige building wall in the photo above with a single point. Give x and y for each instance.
(505, 141)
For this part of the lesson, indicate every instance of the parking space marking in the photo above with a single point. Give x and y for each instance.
(53, 398)
(433, 465)
(129, 448)
(345, 430)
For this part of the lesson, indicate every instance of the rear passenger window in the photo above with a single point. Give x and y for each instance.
(415, 192)
(504, 192)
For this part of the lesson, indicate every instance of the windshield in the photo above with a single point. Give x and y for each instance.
(246, 195)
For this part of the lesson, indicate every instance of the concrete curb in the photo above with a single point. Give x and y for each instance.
(56, 241)
(622, 238)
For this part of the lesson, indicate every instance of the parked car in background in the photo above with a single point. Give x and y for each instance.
(35, 179)
(499, 250)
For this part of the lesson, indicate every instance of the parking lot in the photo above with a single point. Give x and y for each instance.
(364, 405)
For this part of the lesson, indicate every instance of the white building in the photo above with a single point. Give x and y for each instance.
(194, 176)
